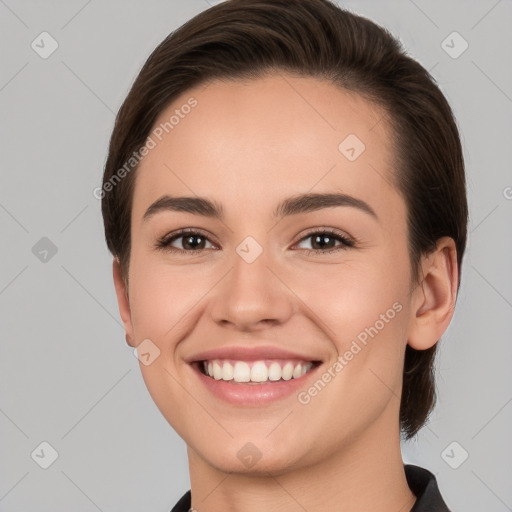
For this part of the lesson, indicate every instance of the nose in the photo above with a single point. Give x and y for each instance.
(251, 296)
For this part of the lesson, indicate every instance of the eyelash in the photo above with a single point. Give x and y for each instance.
(164, 242)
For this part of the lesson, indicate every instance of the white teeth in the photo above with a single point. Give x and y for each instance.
(227, 371)
(217, 371)
(297, 371)
(242, 372)
(274, 372)
(259, 372)
(287, 371)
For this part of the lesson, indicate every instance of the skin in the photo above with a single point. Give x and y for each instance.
(248, 145)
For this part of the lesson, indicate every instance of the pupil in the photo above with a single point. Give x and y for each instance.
(187, 241)
(320, 237)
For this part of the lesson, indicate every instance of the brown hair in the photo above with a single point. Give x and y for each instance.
(244, 39)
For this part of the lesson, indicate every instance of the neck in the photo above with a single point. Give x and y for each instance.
(366, 473)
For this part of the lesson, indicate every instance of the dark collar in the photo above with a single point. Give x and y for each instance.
(421, 482)
(424, 485)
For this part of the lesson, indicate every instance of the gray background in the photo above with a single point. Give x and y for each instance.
(67, 376)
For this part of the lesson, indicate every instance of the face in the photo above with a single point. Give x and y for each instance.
(327, 282)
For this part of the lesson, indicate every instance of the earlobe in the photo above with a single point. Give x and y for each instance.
(434, 298)
(123, 302)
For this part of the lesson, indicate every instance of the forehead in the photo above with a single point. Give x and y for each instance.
(249, 143)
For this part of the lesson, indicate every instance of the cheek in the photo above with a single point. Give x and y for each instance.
(161, 297)
(365, 314)
(352, 296)
(363, 305)
(160, 300)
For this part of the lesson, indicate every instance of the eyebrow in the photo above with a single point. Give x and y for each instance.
(302, 203)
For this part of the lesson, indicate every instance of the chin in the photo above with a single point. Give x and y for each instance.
(251, 459)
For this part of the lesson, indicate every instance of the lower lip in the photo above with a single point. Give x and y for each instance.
(254, 395)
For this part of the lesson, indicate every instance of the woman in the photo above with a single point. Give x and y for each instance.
(284, 197)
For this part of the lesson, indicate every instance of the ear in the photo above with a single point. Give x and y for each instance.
(123, 302)
(434, 298)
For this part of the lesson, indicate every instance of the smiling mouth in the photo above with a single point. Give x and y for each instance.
(255, 372)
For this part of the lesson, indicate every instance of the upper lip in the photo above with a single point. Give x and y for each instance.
(245, 353)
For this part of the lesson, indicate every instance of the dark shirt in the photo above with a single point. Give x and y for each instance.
(421, 482)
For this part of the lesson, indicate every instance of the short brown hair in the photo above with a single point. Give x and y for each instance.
(247, 38)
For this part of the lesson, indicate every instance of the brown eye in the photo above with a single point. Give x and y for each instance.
(188, 241)
(327, 241)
